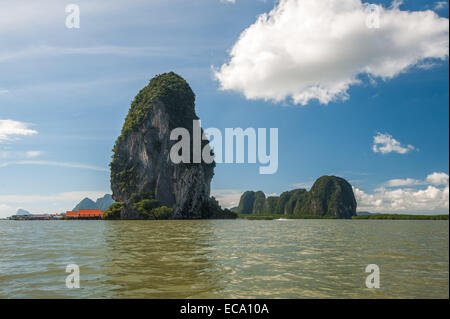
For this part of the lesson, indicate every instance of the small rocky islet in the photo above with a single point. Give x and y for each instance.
(146, 184)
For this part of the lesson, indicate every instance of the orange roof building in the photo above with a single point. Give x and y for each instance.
(85, 213)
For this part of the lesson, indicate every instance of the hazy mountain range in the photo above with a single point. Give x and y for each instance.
(22, 212)
(102, 203)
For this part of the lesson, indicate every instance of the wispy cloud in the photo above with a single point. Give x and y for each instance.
(95, 50)
(396, 4)
(8, 154)
(10, 129)
(54, 163)
(306, 185)
(440, 5)
(64, 196)
(384, 143)
(32, 154)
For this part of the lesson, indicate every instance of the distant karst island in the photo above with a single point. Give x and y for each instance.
(102, 203)
(329, 197)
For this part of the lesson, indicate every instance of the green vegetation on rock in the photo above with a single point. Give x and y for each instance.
(148, 207)
(246, 203)
(271, 204)
(170, 88)
(296, 201)
(213, 211)
(113, 212)
(258, 204)
(123, 174)
(330, 197)
(402, 217)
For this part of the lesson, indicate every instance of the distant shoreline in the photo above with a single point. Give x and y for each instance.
(372, 217)
(403, 217)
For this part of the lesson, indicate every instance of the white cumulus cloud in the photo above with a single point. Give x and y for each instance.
(400, 196)
(10, 129)
(438, 179)
(317, 49)
(384, 143)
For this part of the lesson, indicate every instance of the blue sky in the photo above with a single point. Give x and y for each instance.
(64, 94)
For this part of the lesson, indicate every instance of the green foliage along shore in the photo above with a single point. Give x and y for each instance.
(113, 212)
(330, 197)
(144, 204)
(403, 217)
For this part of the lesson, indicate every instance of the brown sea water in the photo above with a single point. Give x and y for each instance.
(224, 259)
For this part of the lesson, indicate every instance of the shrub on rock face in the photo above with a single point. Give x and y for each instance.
(144, 207)
(148, 207)
(213, 211)
(162, 212)
(113, 212)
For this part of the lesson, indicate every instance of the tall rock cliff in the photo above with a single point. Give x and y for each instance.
(141, 161)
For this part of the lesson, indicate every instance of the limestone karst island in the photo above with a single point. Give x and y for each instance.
(145, 182)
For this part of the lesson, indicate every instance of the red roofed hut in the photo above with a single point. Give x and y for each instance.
(85, 214)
